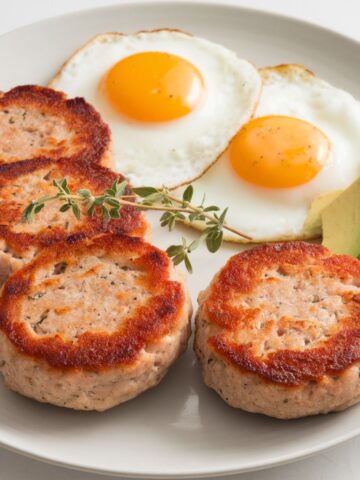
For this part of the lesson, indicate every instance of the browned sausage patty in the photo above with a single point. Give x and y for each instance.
(20, 183)
(38, 122)
(92, 323)
(278, 330)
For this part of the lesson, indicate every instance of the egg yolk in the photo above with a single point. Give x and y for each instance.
(154, 86)
(279, 151)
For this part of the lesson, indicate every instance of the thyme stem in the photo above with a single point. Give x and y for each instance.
(210, 217)
(175, 209)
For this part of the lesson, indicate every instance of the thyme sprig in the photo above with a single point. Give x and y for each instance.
(174, 209)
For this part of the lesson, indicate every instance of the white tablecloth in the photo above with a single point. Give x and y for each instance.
(340, 463)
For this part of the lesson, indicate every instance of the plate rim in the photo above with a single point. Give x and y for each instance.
(164, 476)
(220, 4)
(200, 473)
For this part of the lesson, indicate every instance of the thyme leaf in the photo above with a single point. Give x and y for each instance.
(175, 209)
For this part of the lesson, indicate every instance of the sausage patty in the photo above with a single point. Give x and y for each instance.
(38, 122)
(278, 330)
(20, 183)
(92, 323)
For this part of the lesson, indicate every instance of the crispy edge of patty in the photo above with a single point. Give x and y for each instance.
(157, 318)
(93, 135)
(288, 368)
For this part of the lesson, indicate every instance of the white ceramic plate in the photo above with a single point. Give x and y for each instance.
(180, 429)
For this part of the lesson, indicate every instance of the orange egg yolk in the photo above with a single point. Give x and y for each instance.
(154, 87)
(279, 151)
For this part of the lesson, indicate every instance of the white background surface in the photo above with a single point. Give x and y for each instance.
(341, 463)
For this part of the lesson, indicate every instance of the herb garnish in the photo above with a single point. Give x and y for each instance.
(145, 198)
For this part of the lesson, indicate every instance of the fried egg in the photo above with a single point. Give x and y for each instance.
(173, 101)
(303, 141)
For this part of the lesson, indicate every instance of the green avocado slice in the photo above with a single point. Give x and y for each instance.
(312, 225)
(341, 222)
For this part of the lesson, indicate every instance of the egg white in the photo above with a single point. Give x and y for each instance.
(269, 214)
(167, 153)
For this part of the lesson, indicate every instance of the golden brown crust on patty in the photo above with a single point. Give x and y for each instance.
(38, 122)
(288, 313)
(20, 183)
(152, 316)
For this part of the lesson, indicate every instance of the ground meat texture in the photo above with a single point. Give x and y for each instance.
(277, 331)
(38, 122)
(34, 134)
(62, 298)
(316, 315)
(22, 183)
(92, 323)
